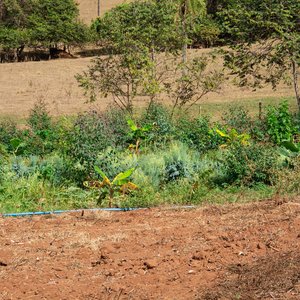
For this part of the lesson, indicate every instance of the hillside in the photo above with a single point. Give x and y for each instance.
(22, 84)
(89, 8)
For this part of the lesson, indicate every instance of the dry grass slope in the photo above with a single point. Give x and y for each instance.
(22, 84)
(89, 8)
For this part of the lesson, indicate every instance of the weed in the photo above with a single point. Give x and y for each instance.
(280, 124)
(237, 117)
(107, 187)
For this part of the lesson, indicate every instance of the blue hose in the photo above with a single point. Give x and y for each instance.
(56, 212)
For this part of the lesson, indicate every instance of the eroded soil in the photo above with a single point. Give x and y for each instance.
(245, 251)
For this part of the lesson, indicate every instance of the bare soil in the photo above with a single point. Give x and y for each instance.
(245, 251)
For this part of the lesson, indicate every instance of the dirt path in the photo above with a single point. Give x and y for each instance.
(248, 251)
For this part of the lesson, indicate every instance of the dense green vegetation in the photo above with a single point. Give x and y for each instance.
(64, 163)
(39, 24)
(129, 156)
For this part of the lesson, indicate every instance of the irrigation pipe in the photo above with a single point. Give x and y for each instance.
(57, 212)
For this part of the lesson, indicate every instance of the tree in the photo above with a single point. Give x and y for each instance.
(55, 21)
(137, 31)
(187, 10)
(39, 23)
(14, 33)
(189, 87)
(124, 77)
(265, 42)
(146, 24)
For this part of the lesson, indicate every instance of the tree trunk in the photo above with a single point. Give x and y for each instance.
(185, 37)
(20, 52)
(184, 51)
(295, 68)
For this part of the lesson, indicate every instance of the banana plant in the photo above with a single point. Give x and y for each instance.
(232, 137)
(293, 147)
(18, 146)
(290, 149)
(107, 187)
(137, 134)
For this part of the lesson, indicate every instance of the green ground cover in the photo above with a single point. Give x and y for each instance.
(49, 164)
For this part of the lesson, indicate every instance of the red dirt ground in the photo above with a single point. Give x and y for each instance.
(244, 251)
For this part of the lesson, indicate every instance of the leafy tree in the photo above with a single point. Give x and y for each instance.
(145, 24)
(56, 21)
(205, 31)
(136, 71)
(266, 39)
(189, 87)
(14, 33)
(187, 10)
(39, 22)
(124, 77)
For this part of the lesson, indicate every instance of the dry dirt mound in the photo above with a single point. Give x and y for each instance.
(248, 251)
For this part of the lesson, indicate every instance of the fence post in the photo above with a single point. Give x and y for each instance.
(260, 110)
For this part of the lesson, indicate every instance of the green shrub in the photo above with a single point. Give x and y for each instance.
(162, 128)
(113, 162)
(247, 165)
(258, 131)
(35, 194)
(8, 131)
(57, 170)
(39, 137)
(23, 167)
(3, 155)
(116, 122)
(197, 133)
(205, 32)
(180, 162)
(150, 170)
(156, 169)
(87, 138)
(237, 117)
(39, 119)
(288, 179)
(280, 125)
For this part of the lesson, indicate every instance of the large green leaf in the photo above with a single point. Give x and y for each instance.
(15, 142)
(290, 146)
(132, 125)
(120, 179)
(221, 133)
(100, 172)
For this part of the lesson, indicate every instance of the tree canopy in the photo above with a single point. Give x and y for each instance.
(265, 38)
(148, 24)
(40, 22)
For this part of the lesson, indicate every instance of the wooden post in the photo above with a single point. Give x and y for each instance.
(260, 110)
(98, 11)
